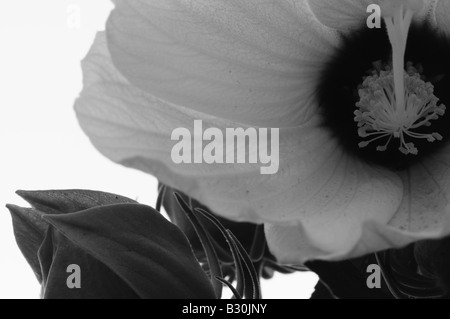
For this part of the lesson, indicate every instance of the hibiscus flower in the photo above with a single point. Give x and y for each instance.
(364, 153)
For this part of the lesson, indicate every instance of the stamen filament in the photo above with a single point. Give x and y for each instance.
(377, 117)
(398, 26)
(394, 102)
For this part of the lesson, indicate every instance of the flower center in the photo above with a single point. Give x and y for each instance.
(379, 116)
(394, 103)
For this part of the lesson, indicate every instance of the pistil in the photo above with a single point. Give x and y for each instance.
(394, 103)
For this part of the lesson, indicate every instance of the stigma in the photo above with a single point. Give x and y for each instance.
(396, 103)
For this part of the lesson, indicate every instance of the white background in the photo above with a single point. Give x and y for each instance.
(41, 144)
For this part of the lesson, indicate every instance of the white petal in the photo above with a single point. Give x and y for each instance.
(427, 194)
(442, 15)
(423, 214)
(366, 195)
(342, 15)
(317, 185)
(134, 128)
(251, 61)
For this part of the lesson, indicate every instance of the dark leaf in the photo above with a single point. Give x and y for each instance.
(402, 276)
(161, 195)
(321, 291)
(30, 229)
(70, 201)
(348, 279)
(433, 258)
(236, 294)
(244, 231)
(96, 280)
(142, 248)
(204, 237)
(252, 289)
(240, 275)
